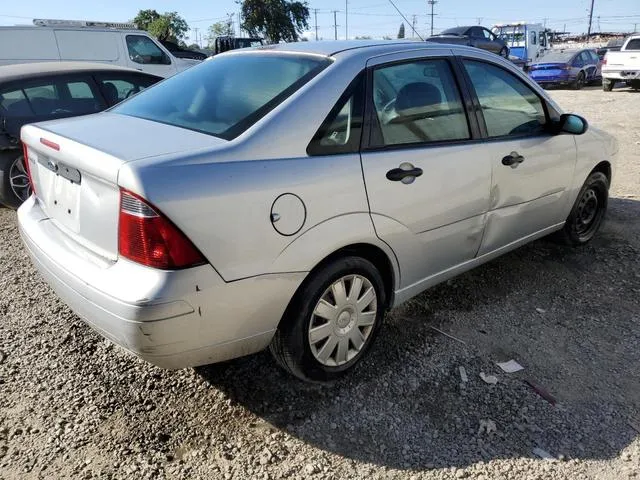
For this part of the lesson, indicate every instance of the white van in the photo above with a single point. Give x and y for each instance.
(115, 43)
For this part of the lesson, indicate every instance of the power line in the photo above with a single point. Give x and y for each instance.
(405, 19)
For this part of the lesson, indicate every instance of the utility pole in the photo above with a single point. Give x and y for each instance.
(197, 41)
(335, 24)
(479, 20)
(432, 3)
(634, 28)
(239, 26)
(599, 28)
(590, 19)
(315, 15)
(346, 19)
(413, 27)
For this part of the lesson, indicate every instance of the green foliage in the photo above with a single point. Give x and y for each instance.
(168, 26)
(277, 20)
(401, 31)
(220, 29)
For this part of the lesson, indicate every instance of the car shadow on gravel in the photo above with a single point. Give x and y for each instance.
(569, 316)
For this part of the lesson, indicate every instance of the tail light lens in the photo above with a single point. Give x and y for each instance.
(604, 61)
(147, 237)
(26, 166)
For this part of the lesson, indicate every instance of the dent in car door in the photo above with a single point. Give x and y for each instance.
(427, 190)
(531, 168)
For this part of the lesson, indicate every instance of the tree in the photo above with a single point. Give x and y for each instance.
(277, 20)
(220, 29)
(144, 19)
(168, 26)
(363, 37)
(401, 31)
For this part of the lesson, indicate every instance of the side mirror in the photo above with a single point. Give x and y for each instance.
(573, 124)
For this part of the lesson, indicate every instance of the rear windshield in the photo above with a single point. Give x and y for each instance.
(634, 44)
(556, 57)
(224, 96)
(454, 31)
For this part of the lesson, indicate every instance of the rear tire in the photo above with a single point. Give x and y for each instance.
(588, 212)
(579, 82)
(14, 181)
(327, 328)
(607, 85)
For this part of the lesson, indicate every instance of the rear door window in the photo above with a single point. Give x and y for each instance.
(417, 102)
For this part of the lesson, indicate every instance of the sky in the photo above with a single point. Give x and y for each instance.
(374, 18)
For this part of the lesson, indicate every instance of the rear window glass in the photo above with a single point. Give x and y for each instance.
(226, 95)
(633, 44)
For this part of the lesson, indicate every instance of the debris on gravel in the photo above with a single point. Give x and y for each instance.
(73, 405)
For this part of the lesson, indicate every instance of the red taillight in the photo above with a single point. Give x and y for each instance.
(604, 61)
(49, 144)
(147, 237)
(26, 166)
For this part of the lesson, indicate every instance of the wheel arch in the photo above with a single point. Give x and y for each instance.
(603, 167)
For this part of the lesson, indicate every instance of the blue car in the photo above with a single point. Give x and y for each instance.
(572, 68)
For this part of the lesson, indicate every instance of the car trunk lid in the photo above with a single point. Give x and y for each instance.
(74, 167)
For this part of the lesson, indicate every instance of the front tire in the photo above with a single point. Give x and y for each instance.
(15, 187)
(607, 85)
(504, 53)
(588, 212)
(331, 321)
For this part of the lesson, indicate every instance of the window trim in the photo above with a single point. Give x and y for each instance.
(370, 117)
(549, 111)
(314, 149)
(104, 76)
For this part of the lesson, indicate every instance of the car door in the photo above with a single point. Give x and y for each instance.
(477, 37)
(145, 55)
(531, 167)
(428, 192)
(591, 65)
(492, 42)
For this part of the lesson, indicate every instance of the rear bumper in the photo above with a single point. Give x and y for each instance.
(173, 319)
(553, 80)
(621, 75)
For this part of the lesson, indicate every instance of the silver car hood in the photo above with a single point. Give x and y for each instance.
(129, 138)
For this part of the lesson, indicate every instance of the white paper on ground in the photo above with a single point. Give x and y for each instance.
(510, 367)
(490, 379)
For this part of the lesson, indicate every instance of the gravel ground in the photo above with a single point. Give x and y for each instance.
(74, 406)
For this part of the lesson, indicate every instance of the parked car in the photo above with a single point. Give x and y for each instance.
(73, 40)
(623, 66)
(181, 52)
(225, 43)
(473, 36)
(573, 68)
(46, 91)
(221, 212)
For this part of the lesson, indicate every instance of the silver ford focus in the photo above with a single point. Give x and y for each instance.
(286, 197)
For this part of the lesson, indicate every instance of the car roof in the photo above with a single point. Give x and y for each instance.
(330, 48)
(20, 71)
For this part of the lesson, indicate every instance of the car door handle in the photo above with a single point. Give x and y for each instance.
(406, 173)
(513, 160)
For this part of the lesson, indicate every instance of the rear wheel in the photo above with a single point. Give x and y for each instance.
(607, 85)
(332, 320)
(579, 81)
(588, 212)
(15, 187)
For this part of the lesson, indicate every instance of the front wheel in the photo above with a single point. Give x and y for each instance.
(332, 320)
(15, 187)
(588, 212)
(504, 52)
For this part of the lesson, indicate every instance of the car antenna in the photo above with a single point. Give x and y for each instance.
(405, 19)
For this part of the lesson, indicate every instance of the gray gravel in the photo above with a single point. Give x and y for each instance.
(74, 406)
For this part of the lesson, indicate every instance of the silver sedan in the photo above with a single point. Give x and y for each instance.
(287, 196)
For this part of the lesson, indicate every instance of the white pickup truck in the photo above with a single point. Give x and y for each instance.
(622, 66)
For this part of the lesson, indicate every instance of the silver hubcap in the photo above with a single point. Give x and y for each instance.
(19, 180)
(342, 320)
